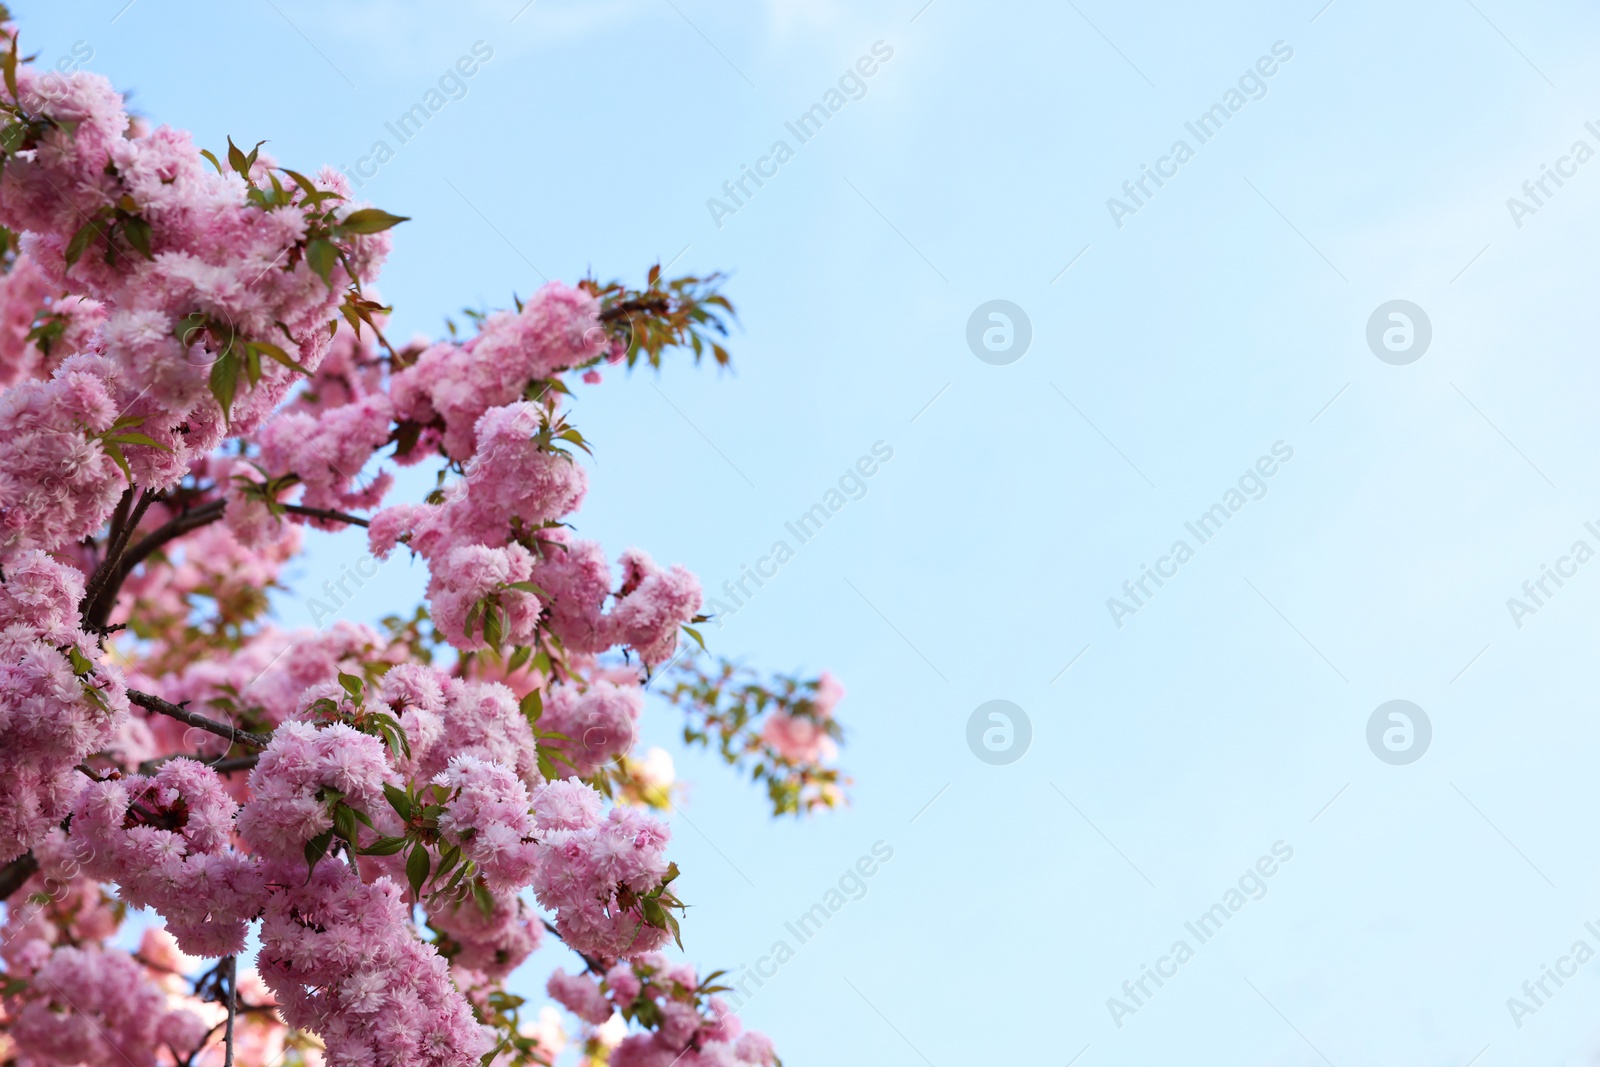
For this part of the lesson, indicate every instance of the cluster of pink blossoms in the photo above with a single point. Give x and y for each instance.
(187, 269)
(98, 1008)
(450, 387)
(38, 326)
(488, 816)
(447, 717)
(289, 787)
(82, 1003)
(327, 452)
(345, 963)
(594, 868)
(596, 725)
(481, 567)
(803, 739)
(58, 701)
(57, 482)
(689, 1025)
(156, 314)
(164, 841)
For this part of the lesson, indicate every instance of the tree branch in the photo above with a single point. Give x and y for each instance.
(323, 513)
(120, 516)
(120, 561)
(111, 572)
(233, 990)
(14, 874)
(184, 715)
(222, 765)
(116, 568)
(592, 963)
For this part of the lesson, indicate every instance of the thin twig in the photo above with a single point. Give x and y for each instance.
(323, 513)
(222, 764)
(593, 963)
(233, 988)
(184, 715)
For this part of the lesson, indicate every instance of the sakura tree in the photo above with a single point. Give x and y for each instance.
(193, 367)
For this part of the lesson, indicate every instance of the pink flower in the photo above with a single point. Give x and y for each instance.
(798, 739)
(580, 995)
(600, 722)
(651, 606)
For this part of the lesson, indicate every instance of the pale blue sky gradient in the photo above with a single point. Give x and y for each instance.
(1221, 318)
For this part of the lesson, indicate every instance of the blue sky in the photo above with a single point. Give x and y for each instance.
(1227, 314)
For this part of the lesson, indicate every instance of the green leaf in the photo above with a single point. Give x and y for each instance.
(417, 869)
(692, 632)
(252, 366)
(188, 326)
(79, 242)
(384, 846)
(321, 255)
(493, 626)
(278, 355)
(371, 220)
(398, 801)
(461, 872)
(317, 847)
(484, 898)
(237, 159)
(138, 439)
(9, 62)
(307, 186)
(352, 685)
(532, 707)
(114, 450)
(447, 859)
(138, 233)
(208, 154)
(344, 822)
(530, 587)
(225, 383)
